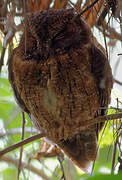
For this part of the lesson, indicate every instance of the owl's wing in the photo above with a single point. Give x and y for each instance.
(17, 96)
(101, 71)
(82, 148)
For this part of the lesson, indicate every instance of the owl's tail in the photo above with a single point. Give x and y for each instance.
(82, 149)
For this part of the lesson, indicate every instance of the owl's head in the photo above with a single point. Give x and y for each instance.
(53, 29)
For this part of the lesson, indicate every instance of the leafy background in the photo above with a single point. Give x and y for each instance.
(11, 119)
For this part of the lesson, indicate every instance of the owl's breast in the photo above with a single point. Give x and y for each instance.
(60, 93)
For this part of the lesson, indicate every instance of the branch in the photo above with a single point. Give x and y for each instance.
(88, 7)
(2, 58)
(110, 33)
(85, 124)
(118, 82)
(21, 143)
(114, 155)
(21, 148)
(13, 131)
(31, 168)
(60, 158)
(99, 119)
(105, 118)
(114, 34)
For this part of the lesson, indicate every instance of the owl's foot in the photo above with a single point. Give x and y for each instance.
(47, 150)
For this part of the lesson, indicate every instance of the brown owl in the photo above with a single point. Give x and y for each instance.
(61, 77)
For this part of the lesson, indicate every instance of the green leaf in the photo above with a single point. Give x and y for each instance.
(106, 135)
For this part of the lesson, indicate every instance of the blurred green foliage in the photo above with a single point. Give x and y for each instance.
(106, 177)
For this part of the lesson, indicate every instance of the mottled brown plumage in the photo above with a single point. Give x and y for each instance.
(61, 77)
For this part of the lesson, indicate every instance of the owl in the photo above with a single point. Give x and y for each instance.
(61, 78)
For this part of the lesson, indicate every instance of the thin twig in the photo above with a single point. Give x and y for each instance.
(21, 148)
(60, 158)
(118, 82)
(25, 17)
(108, 117)
(13, 131)
(2, 58)
(111, 33)
(88, 7)
(93, 166)
(105, 42)
(99, 119)
(31, 168)
(85, 124)
(114, 155)
(21, 143)
(115, 143)
(120, 166)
